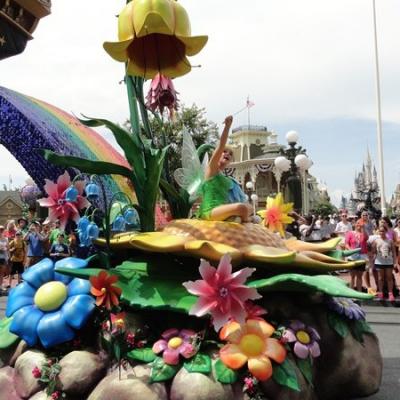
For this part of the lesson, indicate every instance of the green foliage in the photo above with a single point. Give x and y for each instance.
(6, 337)
(224, 374)
(338, 324)
(285, 375)
(199, 363)
(303, 283)
(305, 366)
(144, 355)
(325, 208)
(160, 371)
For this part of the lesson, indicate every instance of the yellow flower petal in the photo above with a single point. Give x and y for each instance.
(275, 350)
(231, 332)
(259, 327)
(159, 242)
(211, 250)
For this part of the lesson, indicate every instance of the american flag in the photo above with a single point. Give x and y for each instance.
(249, 103)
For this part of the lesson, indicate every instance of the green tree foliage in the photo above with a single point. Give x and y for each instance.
(325, 209)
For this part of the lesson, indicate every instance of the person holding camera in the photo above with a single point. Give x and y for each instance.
(34, 239)
(59, 249)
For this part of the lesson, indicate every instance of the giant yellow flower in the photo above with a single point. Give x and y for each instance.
(155, 37)
(276, 214)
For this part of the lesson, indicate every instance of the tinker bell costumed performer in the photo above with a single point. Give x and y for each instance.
(222, 196)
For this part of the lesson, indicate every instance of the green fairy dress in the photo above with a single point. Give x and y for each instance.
(217, 191)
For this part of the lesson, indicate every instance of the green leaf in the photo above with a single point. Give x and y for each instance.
(359, 328)
(132, 146)
(158, 293)
(285, 375)
(117, 351)
(199, 363)
(161, 372)
(84, 273)
(338, 324)
(87, 166)
(305, 366)
(145, 355)
(304, 283)
(129, 269)
(224, 374)
(6, 337)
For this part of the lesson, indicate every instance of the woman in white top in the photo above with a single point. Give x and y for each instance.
(384, 254)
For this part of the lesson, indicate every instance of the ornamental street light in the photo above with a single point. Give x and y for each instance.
(291, 167)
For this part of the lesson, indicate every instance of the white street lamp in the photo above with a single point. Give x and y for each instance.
(292, 137)
(281, 165)
(254, 199)
(249, 185)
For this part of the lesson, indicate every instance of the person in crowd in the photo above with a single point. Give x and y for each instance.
(18, 255)
(390, 232)
(326, 228)
(368, 225)
(72, 243)
(34, 240)
(4, 256)
(11, 230)
(383, 250)
(357, 239)
(22, 225)
(54, 232)
(308, 230)
(45, 231)
(343, 226)
(59, 249)
(397, 230)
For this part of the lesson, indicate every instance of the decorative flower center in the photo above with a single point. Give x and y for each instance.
(303, 337)
(119, 323)
(251, 345)
(175, 342)
(50, 296)
(103, 290)
(60, 202)
(223, 292)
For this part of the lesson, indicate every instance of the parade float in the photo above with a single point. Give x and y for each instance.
(199, 309)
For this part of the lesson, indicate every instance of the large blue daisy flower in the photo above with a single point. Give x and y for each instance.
(49, 306)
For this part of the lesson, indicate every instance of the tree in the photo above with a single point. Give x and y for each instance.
(325, 208)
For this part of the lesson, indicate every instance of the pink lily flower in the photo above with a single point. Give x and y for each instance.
(59, 208)
(162, 94)
(221, 293)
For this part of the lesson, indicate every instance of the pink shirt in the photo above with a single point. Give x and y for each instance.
(356, 240)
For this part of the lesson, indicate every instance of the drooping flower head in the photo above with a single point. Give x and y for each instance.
(56, 202)
(162, 94)
(305, 339)
(103, 288)
(276, 214)
(175, 343)
(347, 307)
(251, 343)
(155, 36)
(221, 293)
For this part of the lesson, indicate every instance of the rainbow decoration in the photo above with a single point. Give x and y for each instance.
(27, 124)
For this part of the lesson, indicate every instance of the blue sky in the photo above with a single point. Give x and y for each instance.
(307, 65)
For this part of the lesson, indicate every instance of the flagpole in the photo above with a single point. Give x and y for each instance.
(379, 116)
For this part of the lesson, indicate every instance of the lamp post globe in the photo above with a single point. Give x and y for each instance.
(292, 137)
(249, 185)
(282, 163)
(302, 161)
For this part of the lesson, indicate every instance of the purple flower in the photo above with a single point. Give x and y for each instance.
(305, 339)
(175, 343)
(347, 307)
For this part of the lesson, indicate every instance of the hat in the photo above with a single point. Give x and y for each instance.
(2, 227)
(22, 219)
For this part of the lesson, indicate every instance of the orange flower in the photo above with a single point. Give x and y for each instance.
(102, 287)
(276, 214)
(251, 343)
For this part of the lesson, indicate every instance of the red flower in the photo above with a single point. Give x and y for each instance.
(102, 287)
(36, 372)
(55, 395)
(162, 94)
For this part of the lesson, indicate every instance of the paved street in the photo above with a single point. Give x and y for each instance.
(385, 320)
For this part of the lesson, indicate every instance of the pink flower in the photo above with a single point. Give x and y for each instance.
(55, 395)
(254, 311)
(58, 207)
(162, 94)
(175, 343)
(221, 292)
(130, 339)
(36, 372)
